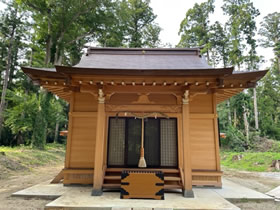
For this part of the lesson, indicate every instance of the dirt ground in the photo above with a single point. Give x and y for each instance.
(261, 182)
(18, 182)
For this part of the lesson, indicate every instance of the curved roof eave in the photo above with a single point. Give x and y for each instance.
(145, 72)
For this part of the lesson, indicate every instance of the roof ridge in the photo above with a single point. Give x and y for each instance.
(141, 49)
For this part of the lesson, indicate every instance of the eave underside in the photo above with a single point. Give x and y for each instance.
(226, 84)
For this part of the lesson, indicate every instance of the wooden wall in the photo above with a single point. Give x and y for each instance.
(81, 139)
(204, 153)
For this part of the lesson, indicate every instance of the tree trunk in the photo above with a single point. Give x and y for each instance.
(229, 113)
(59, 50)
(6, 80)
(208, 56)
(235, 118)
(14, 58)
(246, 124)
(31, 58)
(256, 109)
(49, 41)
(56, 131)
(48, 52)
(19, 139)
(278, 62)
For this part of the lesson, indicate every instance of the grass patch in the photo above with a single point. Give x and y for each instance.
(251, 161)
(24, 158)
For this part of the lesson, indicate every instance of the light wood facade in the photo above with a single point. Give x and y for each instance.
(190, 97)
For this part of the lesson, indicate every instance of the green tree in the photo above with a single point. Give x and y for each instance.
(57, 118)
(39, 135)
(131, 25)
(270, 30)
(20, 116)
(268, 103)
(13, 27)
(59, 25)
(139, 19)
(241, 21)
(195, 28)
(219, 45)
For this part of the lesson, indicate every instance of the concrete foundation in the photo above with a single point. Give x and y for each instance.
(79, 197)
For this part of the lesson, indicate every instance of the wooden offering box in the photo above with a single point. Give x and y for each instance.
(142, 184)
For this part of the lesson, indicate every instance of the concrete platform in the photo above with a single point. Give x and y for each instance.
(79, 197)
(43, 190)
(275, 193)
(232, 191)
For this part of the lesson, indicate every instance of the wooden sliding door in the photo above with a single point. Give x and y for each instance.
(160, 142)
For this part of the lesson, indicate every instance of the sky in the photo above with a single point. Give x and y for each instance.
(170, 13)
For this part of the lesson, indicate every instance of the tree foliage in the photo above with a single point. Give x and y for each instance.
(132, 25)
(241, 25)
(44, 33)
(195, 27)
(235, 44)
(270, 32)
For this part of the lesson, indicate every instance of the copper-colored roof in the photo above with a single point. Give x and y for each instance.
(143, 59)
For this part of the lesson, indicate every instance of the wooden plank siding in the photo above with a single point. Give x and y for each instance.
(81, 137)
(204, 141)
(83, 142)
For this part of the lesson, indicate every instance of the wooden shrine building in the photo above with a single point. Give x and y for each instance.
(173, 92)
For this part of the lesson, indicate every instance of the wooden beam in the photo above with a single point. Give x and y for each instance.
(220, 82)
(143, 89)
(143, 108)
(99, 146)
(91, 89)
(58, 177)
(83, 114)
(187, 188)
(139, 79)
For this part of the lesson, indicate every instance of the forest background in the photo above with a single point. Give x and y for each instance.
(44, 33)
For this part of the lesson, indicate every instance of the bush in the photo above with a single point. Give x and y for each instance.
(235, 140)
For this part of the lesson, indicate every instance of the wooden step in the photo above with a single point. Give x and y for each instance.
(172, 186)
(112, 177)
(116, 186)
(172, 178)
(165, 170)
(166, 178)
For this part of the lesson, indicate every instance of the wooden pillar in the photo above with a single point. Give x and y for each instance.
(99, 146)
(187, 188)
